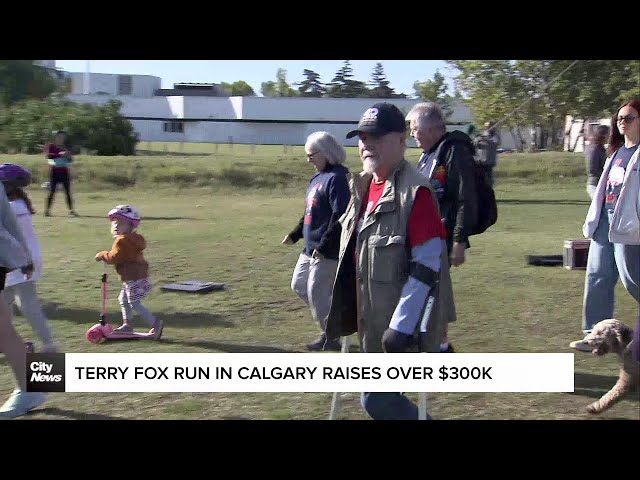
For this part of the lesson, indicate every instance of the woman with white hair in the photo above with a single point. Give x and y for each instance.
(327, 198)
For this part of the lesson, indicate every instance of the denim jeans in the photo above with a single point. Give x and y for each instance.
(606, 262)
(389, 406)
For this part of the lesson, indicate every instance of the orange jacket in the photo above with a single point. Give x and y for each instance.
(126, 255)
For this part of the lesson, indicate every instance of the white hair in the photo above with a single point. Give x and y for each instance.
(328, 145)
(427, 114)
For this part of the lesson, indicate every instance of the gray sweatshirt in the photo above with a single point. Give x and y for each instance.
(14, 252)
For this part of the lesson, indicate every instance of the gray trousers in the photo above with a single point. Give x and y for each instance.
(313, 282)
(25, 296)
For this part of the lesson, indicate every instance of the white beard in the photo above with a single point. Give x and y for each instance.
(371, 165)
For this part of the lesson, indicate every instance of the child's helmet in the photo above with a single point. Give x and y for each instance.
(14, 175)
(126, 212)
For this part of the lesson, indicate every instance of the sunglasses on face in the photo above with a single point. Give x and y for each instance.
(626, 118)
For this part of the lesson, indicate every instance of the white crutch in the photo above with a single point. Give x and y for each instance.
(423, 399)
(336, 401)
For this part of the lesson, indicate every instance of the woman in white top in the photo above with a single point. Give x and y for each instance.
(14, 255)
(18, 289)
(613, 223)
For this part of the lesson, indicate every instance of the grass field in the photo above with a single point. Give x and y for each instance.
(221, 216)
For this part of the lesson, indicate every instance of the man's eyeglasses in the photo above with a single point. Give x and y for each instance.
(310, 155)
(626, 118)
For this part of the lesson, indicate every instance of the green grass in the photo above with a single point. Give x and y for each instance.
(229, 230)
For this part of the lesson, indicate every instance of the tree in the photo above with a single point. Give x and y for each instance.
(279, 88)
(238, 89)
(380, 84)
(268, 89)
(435, 91)
(21, 79)
(282, 86)
(494, 91)
(311, 86)
(545, 91)
(343, 87)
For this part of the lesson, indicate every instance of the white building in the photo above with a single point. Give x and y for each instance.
(249, 120)
(140, 86)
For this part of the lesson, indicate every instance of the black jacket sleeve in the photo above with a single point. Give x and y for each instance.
(461, 179)
(296, 233)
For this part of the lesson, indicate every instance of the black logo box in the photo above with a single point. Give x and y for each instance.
(45, 372)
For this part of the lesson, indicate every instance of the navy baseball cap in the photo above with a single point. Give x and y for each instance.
(380, 119)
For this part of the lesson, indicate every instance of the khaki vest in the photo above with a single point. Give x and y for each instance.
(383, 257)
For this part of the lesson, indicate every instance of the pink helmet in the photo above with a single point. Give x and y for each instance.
(126, 212)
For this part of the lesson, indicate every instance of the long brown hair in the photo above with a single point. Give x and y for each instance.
(616, 139)
(17, 193)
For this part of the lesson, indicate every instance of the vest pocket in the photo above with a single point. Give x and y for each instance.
(387, 257)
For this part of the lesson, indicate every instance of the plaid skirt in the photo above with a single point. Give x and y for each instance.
(136, 290)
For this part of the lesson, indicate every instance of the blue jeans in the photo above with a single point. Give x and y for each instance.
(389, 406)
(606, 262)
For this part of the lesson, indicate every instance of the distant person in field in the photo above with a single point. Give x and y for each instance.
(613, 224)
(595, 156)
(59, 158)
(326, 200)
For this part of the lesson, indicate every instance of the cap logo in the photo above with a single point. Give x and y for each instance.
(371, 115)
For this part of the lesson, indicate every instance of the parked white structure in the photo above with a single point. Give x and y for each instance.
(577, 131)
(107, 84)
(249, 120)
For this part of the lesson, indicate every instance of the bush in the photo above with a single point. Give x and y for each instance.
(28, 125)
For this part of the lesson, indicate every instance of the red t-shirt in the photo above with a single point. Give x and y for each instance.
(424, 221)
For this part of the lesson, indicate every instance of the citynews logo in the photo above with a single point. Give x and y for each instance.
(45, 372)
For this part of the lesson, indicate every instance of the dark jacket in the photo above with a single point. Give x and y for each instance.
(453, 181)
(326, 200)
(595, 156)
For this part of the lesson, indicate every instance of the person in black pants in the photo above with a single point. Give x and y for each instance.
(59, 158)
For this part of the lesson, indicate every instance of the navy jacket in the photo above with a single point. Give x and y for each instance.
(326, 201)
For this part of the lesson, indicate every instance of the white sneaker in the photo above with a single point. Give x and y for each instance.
(21, 402)
(50, 348)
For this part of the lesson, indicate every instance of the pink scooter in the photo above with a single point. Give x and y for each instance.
(104, 331)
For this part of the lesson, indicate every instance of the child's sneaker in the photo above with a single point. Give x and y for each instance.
(124, 328)
(156, 331)
(50, 348)
(21, 402)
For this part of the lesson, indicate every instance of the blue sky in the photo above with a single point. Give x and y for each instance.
(401, 73)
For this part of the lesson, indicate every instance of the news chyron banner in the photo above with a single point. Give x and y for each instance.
(300, 372)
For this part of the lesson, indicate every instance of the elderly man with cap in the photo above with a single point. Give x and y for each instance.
(392, 259)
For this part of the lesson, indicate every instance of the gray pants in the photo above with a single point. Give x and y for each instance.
(313, 282)
(25, 296)
(128, 307)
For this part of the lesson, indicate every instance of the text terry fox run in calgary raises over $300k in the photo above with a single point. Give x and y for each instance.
(303, 372)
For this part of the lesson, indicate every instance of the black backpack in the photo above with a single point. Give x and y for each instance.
(486, 151)
(485, 196)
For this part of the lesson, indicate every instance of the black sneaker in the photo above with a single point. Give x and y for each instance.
(322, 344)
(449, 349)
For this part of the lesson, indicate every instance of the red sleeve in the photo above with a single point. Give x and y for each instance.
(52, 151)
(424, 222)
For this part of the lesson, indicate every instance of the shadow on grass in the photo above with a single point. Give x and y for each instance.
(229, 347)
(516, 201)
(73, 415)
(595, 386)
(91, 317)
